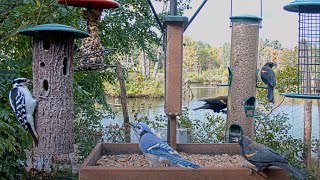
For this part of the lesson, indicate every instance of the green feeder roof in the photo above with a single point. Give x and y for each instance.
(54, 27)
(245, 18)
(301, 96)
(304, 6)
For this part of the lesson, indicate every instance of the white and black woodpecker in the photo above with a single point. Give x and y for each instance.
(23, 105)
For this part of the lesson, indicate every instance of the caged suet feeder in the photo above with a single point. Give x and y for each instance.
(91, 52)
(308, 48)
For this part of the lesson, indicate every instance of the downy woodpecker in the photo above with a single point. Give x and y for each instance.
(23, 105)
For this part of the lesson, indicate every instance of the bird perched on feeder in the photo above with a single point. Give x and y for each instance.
(269, 78)
(23, 105)
(263, 157)
(216, 104)
(158, 151)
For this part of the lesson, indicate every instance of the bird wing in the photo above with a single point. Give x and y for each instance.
(152, 144)
(268, 76)
(18, 104)
(260, 153)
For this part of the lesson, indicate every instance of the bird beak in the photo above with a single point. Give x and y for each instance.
(236, 139)
(132, 125)
(29, 81)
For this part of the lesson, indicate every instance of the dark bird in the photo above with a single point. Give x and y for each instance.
(263, 157)
(216, 104)
(269, 78)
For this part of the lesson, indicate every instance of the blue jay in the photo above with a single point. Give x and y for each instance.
(158, 151)
(23, 105)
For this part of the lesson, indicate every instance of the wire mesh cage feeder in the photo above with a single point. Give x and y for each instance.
(308, 48)
(90, 55)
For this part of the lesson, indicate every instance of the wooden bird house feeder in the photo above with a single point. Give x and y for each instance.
(52, 87)
(308, 49)
(91, 53)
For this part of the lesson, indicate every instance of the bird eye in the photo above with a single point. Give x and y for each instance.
(139, 127)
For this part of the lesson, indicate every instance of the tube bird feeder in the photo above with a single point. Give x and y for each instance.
(244, 56)
(308, 48)
(52, 87)
(91, 52)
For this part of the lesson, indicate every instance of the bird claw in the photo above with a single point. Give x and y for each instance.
(255, 171)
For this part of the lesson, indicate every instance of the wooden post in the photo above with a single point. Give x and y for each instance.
(173, 73)
(307, 83)
(123, 98)
(244, 56)
(307, 132)
(318, 102)
(52, 87)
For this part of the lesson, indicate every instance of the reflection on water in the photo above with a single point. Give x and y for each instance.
(155, 107)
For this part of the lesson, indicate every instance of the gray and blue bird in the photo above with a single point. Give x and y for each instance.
(269, 78)
(158, 151)
(263, 157)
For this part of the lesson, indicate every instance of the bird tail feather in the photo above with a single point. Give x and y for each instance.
(198, 108)
(206, 106)
(270, 94)
(33, 134)
(181, 162)
(292, 170)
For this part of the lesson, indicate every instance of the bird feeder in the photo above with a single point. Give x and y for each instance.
(308, 48)
(229, 78)
(91, 52)
(53, 66)
(244, 56)
(249, 106)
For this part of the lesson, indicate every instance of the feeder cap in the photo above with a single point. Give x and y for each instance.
(54, 27)
(304, 6)
(97, 4)
(246, 18)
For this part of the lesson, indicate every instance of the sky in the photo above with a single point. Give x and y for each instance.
(212, 23)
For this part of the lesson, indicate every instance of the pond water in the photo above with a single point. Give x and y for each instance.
(155, 107)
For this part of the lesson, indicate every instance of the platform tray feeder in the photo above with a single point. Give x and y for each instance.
(90, 171)
(308, 49)
(90, 55)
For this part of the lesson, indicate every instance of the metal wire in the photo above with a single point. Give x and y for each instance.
(309, 54)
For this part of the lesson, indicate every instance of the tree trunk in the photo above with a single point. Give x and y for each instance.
(143, 64)
(123, 98)
(307, 132)
(156, 65)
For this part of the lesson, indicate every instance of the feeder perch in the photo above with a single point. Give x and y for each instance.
(308, 48)
(229, 78)
(249, 106)
(53, 46)
(235, 131)
(91, 52)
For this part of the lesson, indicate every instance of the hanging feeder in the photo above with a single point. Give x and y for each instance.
(91, 52)
(308, 48)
